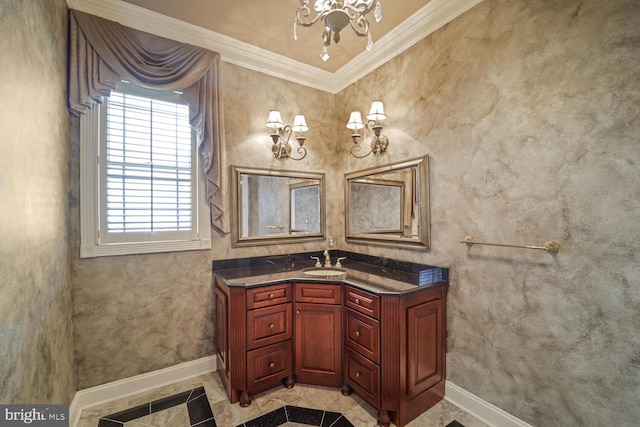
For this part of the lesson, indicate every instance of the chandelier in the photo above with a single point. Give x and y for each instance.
(336, 15)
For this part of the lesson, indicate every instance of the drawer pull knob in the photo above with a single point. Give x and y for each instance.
(271, 296)
(297, 311)
(357, 333)
(272, 365)
(357, 374)
(271, 325)
(357, 301)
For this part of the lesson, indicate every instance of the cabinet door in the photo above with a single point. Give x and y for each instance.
(318, 344)
(424, 349)
(221, 335)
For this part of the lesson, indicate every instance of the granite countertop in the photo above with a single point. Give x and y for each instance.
(373, 274)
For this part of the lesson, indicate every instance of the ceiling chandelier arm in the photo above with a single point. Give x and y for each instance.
(361, 8)
(361, 28)
(336, 15)
(303, 14)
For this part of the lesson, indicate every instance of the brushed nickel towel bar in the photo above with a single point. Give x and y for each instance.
(550, 247)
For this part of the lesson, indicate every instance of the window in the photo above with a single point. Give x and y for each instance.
(141, 190)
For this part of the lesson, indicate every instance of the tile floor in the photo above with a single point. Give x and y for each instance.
(182, 405)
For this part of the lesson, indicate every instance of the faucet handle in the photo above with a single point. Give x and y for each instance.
(317, 261)
(338, 265)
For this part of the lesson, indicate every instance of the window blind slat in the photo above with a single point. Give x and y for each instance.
(148, 153)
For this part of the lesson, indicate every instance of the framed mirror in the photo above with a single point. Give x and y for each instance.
(276, 206)
(389, 204)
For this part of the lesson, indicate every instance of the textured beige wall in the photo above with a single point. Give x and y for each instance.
(530, 111)
(248, 97)
(36, 346)
(136, 314)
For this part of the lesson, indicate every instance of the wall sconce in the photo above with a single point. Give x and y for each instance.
(378, 142)
(282, 133)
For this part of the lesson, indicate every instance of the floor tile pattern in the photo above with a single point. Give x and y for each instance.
(195, 401)
(301, 416)
(166, 412)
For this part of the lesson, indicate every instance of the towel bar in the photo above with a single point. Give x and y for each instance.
(550, 247)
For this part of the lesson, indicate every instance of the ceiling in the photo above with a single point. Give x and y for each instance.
(258, 34)
(268, 25)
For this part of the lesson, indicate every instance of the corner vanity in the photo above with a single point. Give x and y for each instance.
(375, 327)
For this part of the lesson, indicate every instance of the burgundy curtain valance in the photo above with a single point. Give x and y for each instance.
(103, 52)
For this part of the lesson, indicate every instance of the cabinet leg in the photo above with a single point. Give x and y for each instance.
(289, 382)
(245, 399)
(383, 418)
(346, 390)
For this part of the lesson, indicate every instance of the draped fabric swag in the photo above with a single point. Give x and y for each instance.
(103, 52)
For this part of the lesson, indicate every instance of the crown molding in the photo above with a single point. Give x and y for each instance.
(425, 21)
(422, 23)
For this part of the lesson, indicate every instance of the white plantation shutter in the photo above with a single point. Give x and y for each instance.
(147, 172)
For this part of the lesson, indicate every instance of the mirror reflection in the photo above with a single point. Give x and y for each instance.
(273, 205)
(389, 204)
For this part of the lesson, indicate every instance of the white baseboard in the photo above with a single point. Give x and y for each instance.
(140, 383)
(481, 409)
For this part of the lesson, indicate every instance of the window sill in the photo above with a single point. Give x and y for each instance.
(93, 251)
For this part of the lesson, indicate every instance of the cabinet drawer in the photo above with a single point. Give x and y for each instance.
(318, 293)
(265, 296)
(362, 301)
(269, 325)
(269, 364)
(362, 333)
(363, 376)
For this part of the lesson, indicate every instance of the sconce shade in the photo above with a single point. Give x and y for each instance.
(377, 111)
(275, 120)
(355, 121)
(299, 124)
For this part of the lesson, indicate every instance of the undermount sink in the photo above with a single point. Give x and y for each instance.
(323, 271)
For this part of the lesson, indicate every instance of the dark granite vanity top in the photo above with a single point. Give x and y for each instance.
(374, 274)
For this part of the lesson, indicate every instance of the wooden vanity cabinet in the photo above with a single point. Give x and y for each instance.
(318, 334)
(395, 349)
(254, 331)
(387, 348)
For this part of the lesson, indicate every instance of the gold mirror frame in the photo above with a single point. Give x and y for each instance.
(237, 238)
(418, 239)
